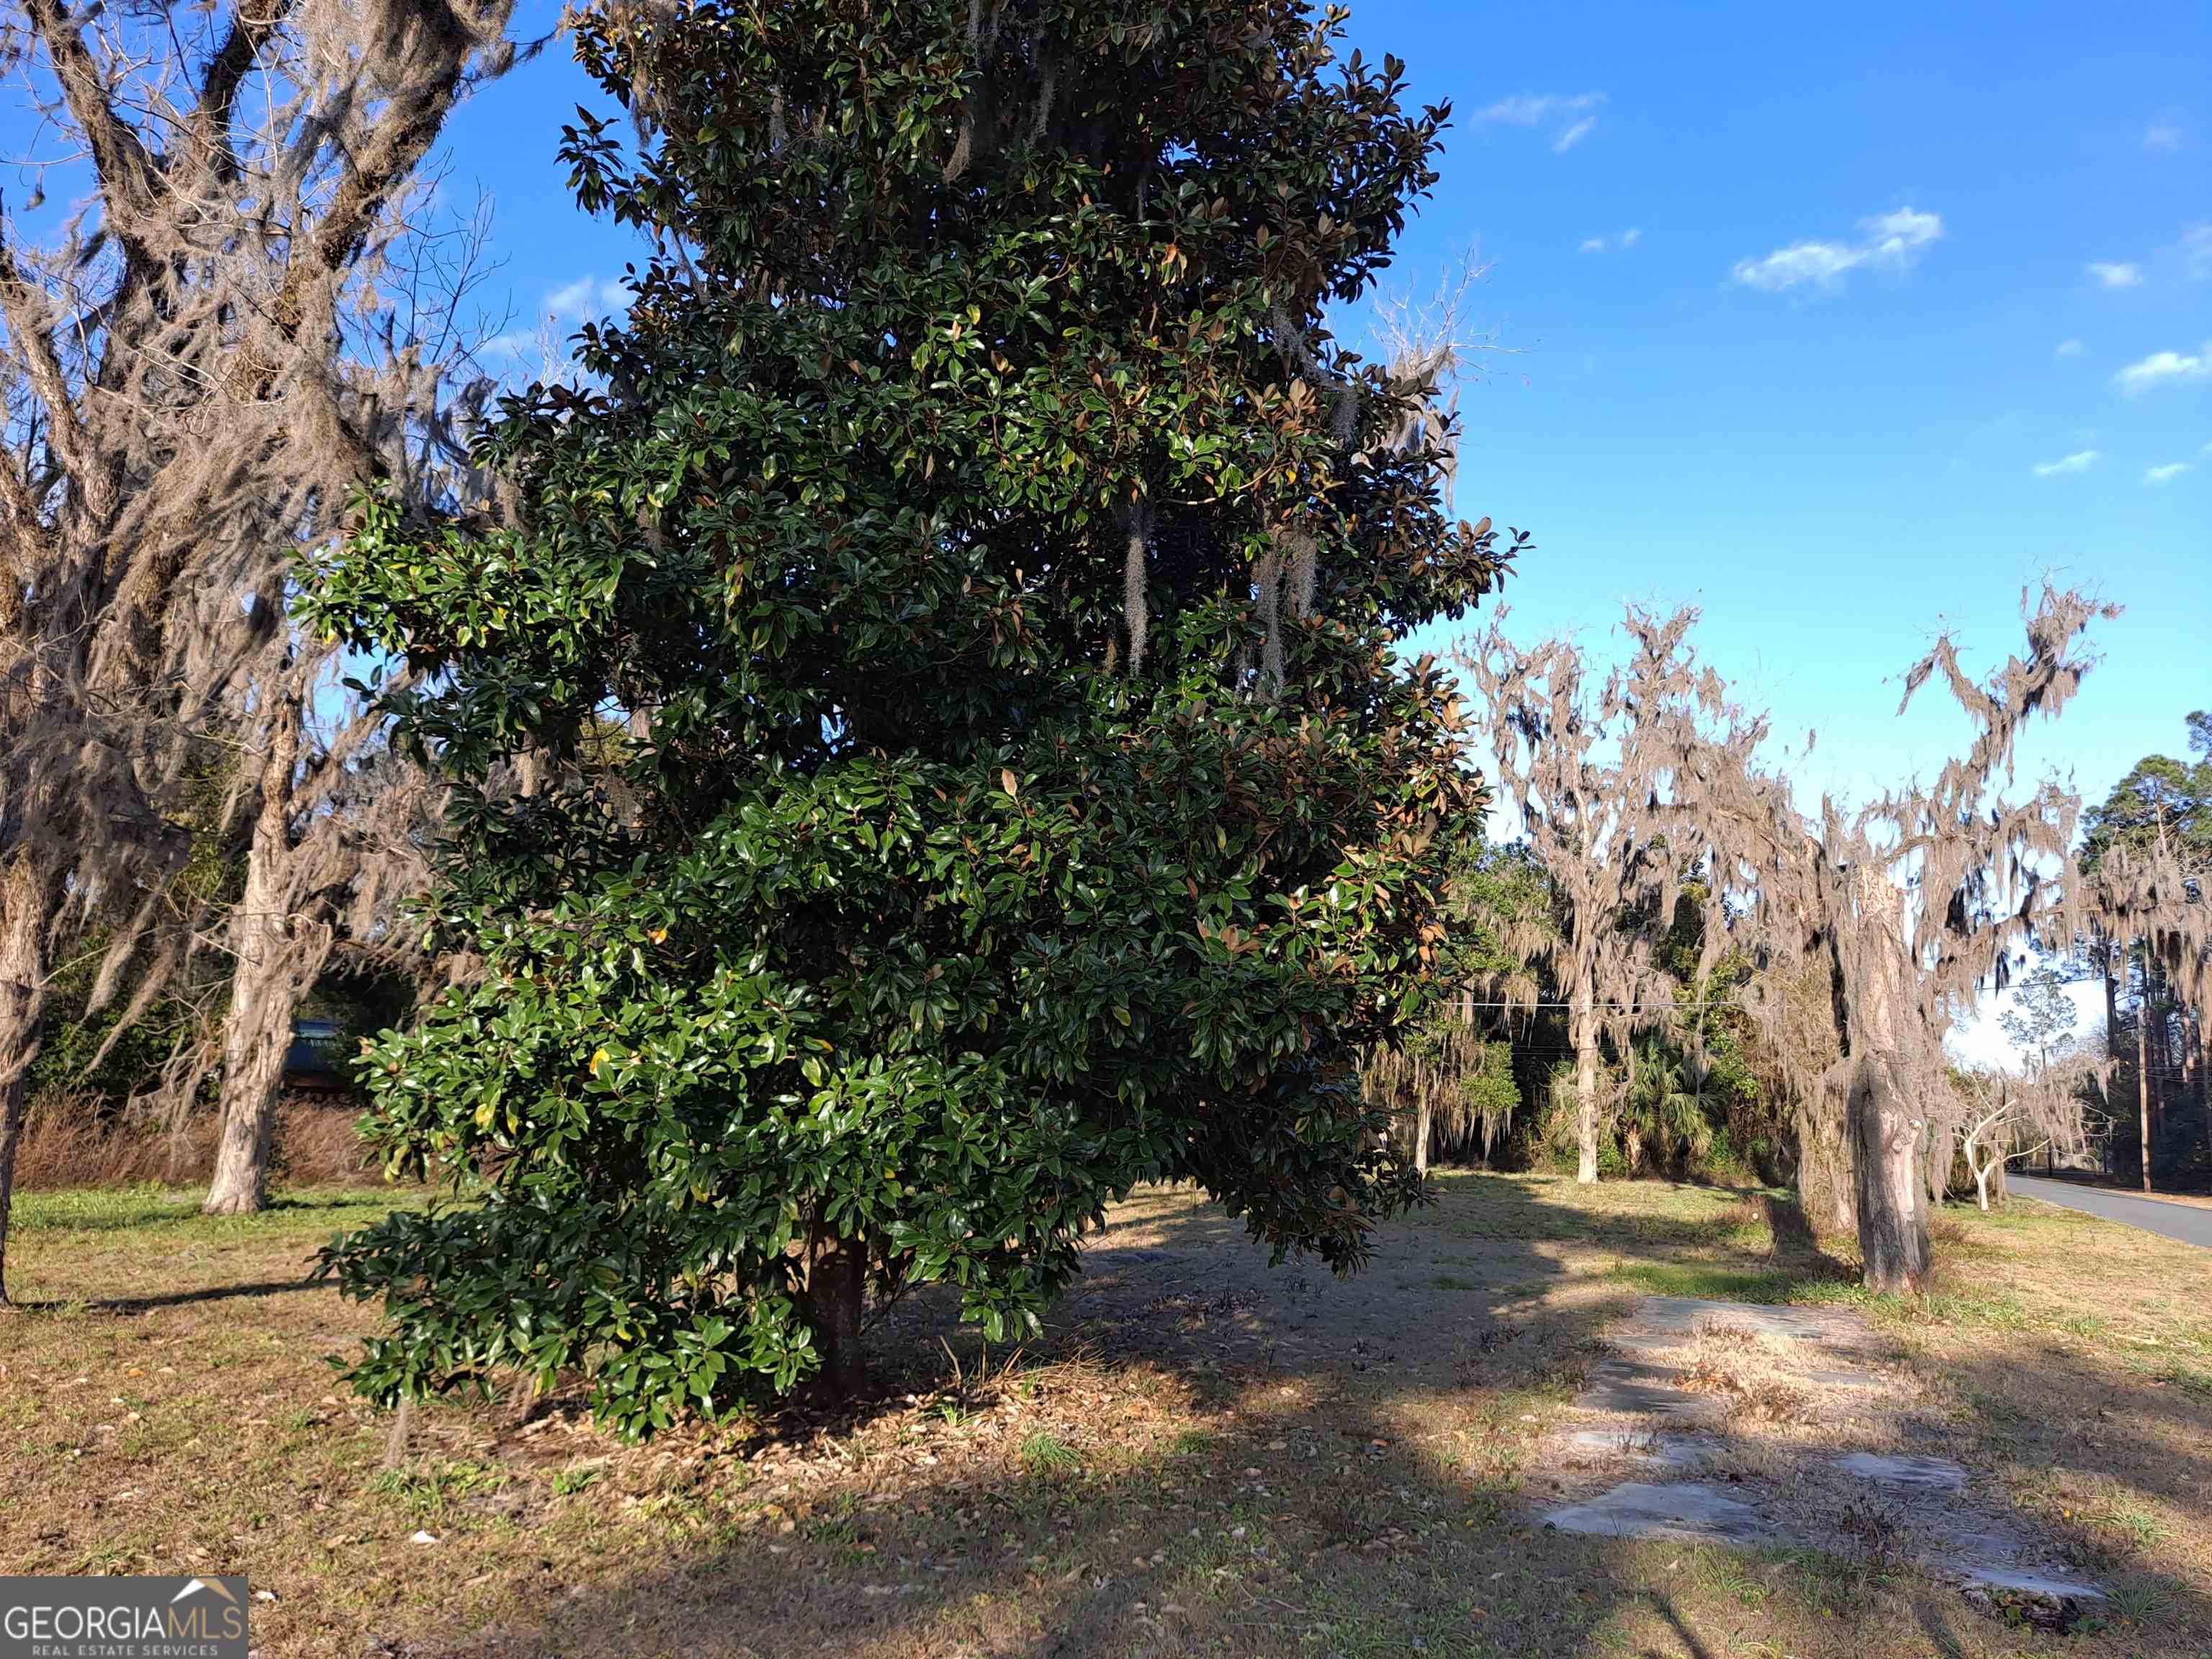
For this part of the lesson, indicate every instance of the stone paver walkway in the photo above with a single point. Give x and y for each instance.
(1681, 1406)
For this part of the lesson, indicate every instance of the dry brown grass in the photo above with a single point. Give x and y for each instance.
(1747, 1370)
(1202, 1456)
(69, 1142)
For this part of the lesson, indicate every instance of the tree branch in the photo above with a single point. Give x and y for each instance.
(126, 172)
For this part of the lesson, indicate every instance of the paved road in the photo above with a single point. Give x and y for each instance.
(2185, 1222)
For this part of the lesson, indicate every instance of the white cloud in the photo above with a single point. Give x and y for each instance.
(2162, 136)
(587, 300)
(1528, 109)
(1628, 238)
(1893, 240)
(2079, 461)
(2164, 366)
(1824, 263)
(2069, 349)
(2158, 475)
(2116, 273)
(1902, 231)
(1576, 111)
(2196, 254)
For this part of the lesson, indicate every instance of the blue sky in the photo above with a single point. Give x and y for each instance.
(1842, 325)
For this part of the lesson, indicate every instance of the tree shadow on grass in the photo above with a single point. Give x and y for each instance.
(1201, 1449)
(139, 1304)
(128, 1305)
(1205, 1455)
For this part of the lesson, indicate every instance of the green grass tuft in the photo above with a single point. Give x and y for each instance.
(1045, 1454)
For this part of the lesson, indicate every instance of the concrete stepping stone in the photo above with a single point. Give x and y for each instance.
(1680, 1508)
(1999, 1559)
(1904, 1472)
(2021, 1581)
(1679, 1451)
(1664, 1321)
(1862, 1381)
(1629, 1388)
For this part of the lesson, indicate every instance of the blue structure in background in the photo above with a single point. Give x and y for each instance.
(315, 1060)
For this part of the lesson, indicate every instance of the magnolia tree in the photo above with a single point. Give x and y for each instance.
(979, 572)
(195, 372)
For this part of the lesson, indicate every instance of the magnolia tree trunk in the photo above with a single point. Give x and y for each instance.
(22, 1000)
(1423, 1118)
(836, 1278)
(264, 987)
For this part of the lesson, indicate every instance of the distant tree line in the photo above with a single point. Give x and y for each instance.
(1689, 970)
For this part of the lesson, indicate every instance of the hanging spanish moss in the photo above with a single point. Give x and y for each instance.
(1135, 601)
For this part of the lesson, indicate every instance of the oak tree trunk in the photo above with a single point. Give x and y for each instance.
(1586, 1097)
(1885, 1134)
(2204, 1079)
(2161, 1051)
(1824, 1168)
(22, 1006)
(1892, 1220)
(2143, 1069)
(264, 988)
(2112, 1043)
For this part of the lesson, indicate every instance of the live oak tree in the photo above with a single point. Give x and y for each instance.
(1608, 782)
(1867, 931)
(194, 372)
(1447, 1073)
(2152, 901)
(2040, 1021)
(990, 568)
(2005, 1117)
(1901, 913)
(2148, 854)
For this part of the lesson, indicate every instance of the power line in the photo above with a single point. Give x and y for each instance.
(1550, 1002)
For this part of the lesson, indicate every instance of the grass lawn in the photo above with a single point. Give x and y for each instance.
(1203, 1456)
